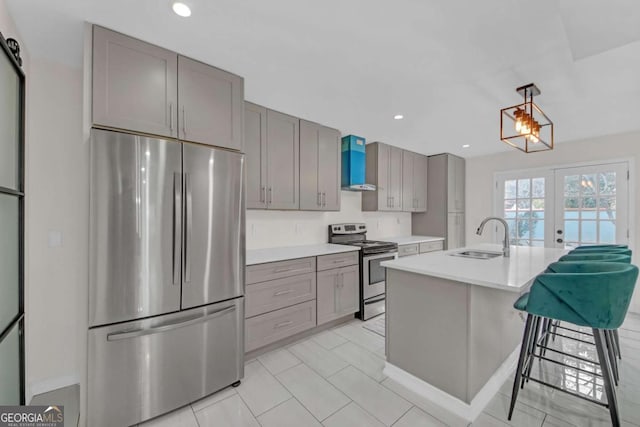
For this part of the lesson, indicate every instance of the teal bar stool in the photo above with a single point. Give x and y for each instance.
(588, 294)
(601, 247)
(608, 253)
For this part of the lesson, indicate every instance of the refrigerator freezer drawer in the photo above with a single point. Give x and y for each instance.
(141, 369)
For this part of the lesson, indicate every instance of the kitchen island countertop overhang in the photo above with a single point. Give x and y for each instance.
(514, 273)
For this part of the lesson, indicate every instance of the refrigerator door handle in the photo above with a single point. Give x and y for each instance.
(116, 336)
(177, 204)
(188, 226)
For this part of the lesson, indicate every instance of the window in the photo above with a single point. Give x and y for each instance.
(523, 209)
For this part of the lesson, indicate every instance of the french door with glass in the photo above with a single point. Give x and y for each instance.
(566, 206)
(591, 205)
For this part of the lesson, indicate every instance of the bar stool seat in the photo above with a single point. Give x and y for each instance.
(594, 295)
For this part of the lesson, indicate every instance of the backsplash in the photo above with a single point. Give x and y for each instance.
(267, 229)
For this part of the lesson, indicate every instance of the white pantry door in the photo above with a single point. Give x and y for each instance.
(592, 205)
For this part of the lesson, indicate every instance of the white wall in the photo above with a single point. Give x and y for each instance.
(480, 176)
(267, 229)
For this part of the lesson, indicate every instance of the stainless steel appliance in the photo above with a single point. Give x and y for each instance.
(166, 283)
(372, 275)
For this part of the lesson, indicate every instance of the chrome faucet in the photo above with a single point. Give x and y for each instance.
(505, 244)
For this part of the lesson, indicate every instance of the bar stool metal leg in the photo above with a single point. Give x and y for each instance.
(616, 341)
(612, 403)
(612, 356)
(534, 344)
(524, 350)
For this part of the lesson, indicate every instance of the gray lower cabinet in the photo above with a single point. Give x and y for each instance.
(272, 144)
(384, 169)
(276, 325)
(437, 245)
(337, 291)
(320, 157)
(275, 294)
(210, 108)
(414, 182)
(455, 185)
(135, 84)
(408, 250)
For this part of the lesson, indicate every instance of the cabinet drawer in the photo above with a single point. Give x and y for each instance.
(406, 250)
(326, 262)
(277, 270)
(274, 294)
(271, 327)
(431, 246)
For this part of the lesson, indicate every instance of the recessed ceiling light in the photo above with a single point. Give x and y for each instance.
(181, 9)
(398, 117)
(466, 146)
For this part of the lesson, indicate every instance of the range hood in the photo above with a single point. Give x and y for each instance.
(353, 164)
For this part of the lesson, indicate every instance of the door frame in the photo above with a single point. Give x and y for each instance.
(550, 171)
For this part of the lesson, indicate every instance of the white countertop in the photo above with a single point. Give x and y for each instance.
(512, 274)
(260, 256)
(408, 240)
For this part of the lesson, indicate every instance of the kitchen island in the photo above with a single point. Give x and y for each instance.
(452, 333)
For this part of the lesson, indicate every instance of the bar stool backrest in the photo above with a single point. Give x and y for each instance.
(598, 257)
(593, 294)
(621, 251)
(592, 247)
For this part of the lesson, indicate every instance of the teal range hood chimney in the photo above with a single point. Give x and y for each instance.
(353, 164)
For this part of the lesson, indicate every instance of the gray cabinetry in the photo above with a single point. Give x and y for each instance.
(337, 293)
(384, 169)
(408, 250)
(272, 143)
(210, 104)
(455, 183)
(414, 182)
(445, 198)
(255, 145)
(134, 84)
(137, 86)
(283, 161)
(320, 174)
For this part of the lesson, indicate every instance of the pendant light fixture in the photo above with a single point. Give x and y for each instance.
(525, 126)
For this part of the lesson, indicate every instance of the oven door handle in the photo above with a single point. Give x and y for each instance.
(378, 256)
(375, 300)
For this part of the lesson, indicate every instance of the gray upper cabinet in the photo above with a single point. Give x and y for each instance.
(272, 145)
(455, 188)
(414, 182)
(384, 169)
(143, 88)
(445, 216)
(210, 105)
(255, 144)
(320, 174)
(134, 84)
(283, 161)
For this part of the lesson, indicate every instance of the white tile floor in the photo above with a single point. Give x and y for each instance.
(334, 379)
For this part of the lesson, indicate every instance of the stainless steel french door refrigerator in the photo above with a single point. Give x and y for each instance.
(166, 304)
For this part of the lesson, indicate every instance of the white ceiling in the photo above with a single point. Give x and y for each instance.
(448, 66)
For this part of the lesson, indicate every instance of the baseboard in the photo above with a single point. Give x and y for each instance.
(450, 403)
(50, 384)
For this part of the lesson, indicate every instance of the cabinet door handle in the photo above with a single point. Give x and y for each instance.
(171, 118)
(270, 199)
(279, 293)
(324, 199)
(184, 123)
(319, 201)
(263, 194)
(283, 324)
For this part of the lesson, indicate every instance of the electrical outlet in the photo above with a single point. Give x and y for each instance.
(253, 230)
(55, 238)
(397, 220)
(379, 224)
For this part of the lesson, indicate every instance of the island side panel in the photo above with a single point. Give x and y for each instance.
(495, 331)
(427, 329)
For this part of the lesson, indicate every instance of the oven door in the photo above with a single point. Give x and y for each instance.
(374, 275)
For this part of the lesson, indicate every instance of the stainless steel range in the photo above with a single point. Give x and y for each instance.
(372, 275)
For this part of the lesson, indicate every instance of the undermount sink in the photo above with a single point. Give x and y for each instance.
(477, 254)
